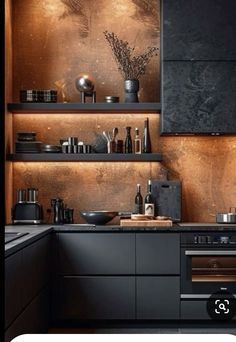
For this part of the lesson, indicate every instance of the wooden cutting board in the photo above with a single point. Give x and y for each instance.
(146, 223)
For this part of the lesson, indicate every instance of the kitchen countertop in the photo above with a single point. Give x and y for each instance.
(38, 231)
(35, 232)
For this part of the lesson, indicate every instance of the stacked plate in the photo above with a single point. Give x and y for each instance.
(28, 146)
(26, 143)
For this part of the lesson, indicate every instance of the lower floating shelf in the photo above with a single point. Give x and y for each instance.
(90, 157)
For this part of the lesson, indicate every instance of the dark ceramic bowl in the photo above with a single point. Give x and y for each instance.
(98, 217)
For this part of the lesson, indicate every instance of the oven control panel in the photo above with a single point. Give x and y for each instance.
(209, 239)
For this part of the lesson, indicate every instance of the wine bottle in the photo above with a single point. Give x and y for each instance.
(138, 201)
(128, 141)
(137, 142)
(149, 202)
(147, 147)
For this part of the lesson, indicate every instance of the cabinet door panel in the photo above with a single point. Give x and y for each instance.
(199, 97)
(97, 253)
(158, 297)
(36, 263)
(96, 298)
(157, 253)
(202, 29)
(13, 287)
(33, 320)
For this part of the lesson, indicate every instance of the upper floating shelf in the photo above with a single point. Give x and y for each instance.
(90, 157)
(72, 107)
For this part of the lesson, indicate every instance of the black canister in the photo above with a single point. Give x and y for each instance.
(68, 215)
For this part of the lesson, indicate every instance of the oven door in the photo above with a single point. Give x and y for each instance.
(205, 271)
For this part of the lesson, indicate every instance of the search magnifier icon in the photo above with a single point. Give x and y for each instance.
(222, 306)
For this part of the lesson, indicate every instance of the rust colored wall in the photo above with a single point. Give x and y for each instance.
(50, 44)
(53, 43)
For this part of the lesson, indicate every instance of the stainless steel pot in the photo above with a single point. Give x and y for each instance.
(227, 217)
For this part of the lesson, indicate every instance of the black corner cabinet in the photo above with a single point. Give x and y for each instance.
(27, 277)
(198, 67)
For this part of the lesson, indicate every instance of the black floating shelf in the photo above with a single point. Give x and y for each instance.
(91, 157)
(150, 107)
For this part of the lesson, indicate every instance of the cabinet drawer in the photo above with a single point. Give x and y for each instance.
(95, 298)
(158, 297)
(96, 253)
(157, 254)
(194, 309)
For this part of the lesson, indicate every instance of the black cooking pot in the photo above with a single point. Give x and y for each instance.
(98, 217)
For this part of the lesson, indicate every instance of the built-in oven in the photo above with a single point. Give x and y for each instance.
(208, 263)
(208, 268)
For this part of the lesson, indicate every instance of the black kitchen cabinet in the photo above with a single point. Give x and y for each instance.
(13, 287)
(95, 297)
(96, 253)
(36, 263)
(198, 67)
(33, 319)
(26, 289)
(158, 297)
(199, 97)
(157, 254)
(199, 30)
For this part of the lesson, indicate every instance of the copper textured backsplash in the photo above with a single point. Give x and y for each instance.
(86, 186)
(55, 42)
(207, 168)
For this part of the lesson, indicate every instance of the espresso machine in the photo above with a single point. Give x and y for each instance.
(27, 210)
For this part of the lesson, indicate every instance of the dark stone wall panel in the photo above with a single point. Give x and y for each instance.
(199, 97)
(202, 29)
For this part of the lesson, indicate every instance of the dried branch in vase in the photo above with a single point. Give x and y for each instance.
(131, 67)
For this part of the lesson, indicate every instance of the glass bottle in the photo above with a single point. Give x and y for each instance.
(138, 201)
(147, 147)
(128, 141)
(137, 142)
(148, 201)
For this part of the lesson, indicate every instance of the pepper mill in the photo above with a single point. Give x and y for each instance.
(58, 209)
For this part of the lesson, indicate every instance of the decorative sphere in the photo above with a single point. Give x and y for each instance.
(84, 83)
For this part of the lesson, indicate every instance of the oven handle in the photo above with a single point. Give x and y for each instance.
(202, 296)
(210, 252)
(195, 296)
